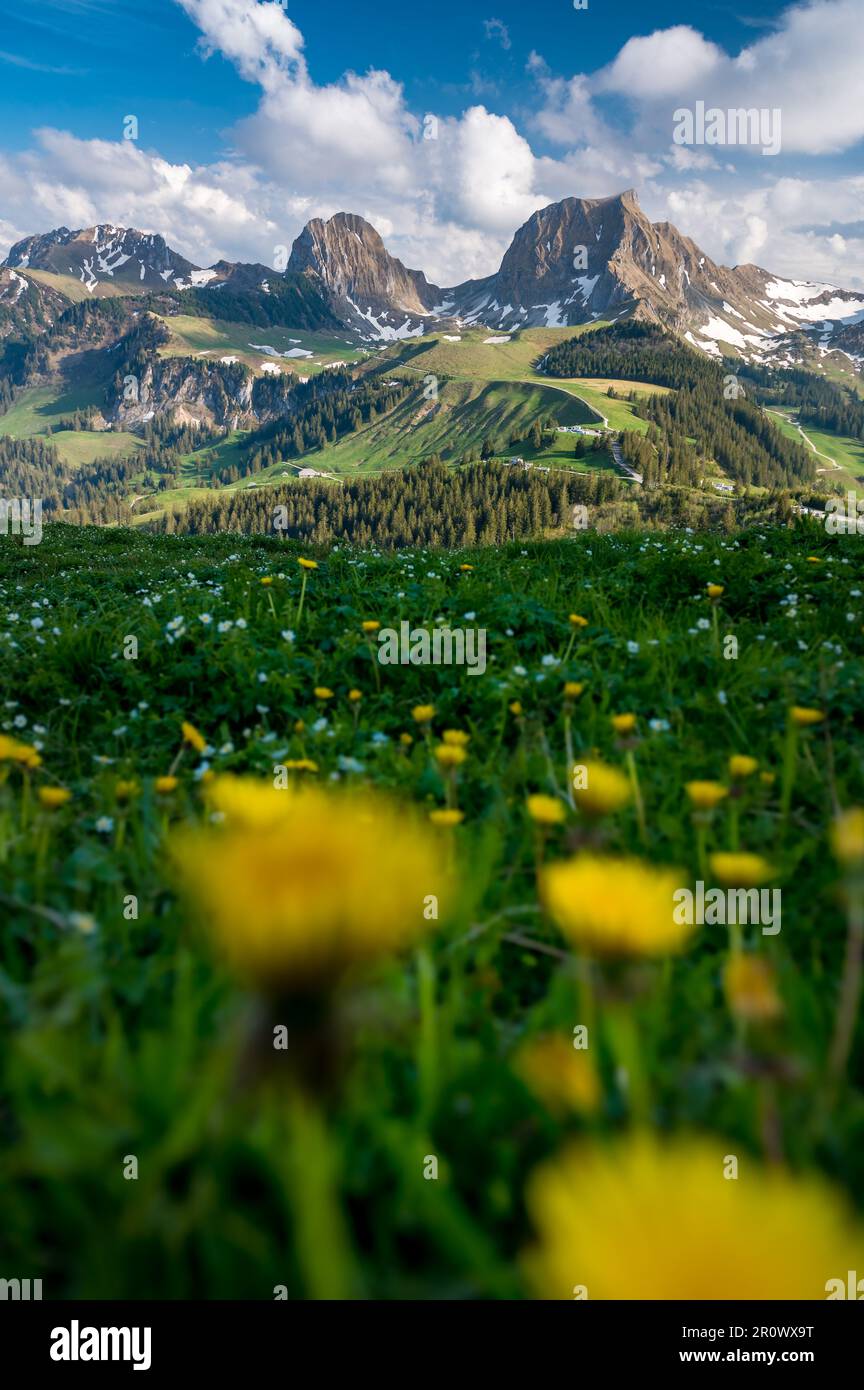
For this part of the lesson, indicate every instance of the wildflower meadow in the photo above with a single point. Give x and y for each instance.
(326, 977)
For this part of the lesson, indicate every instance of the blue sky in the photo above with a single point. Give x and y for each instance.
(251, 122)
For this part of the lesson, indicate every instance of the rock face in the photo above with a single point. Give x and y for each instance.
(584, 259)
(369, 290)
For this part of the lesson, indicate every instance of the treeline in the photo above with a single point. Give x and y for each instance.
(816, 401)
(333, 408)
(632, 352)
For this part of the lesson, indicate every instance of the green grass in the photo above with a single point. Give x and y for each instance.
(121, 1033)
(462, 416)
(192, 335)
(41, 407)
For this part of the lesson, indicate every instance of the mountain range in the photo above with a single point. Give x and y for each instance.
(574, 262)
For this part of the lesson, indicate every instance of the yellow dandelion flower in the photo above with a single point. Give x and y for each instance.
(450, 755)
(715, 590)
(166, 785)
(614, 906)
(301, 765)
(515, 707)
(299, 725)
(267, 581)
(751, 989)
(193, 737)
(457, 738)
(802, 717)
(296, 887)
(13, 751)
(323, 692)
(546, 810)
(561, 1077)
(53, 797)
(605, 791)
(573, 689)
(125, 789)
(647, 1219)
(355, 695)
(307, 564)
(576, 620)
(406, 740)
(740, 870)
(623, 723)
(814, 560)
(847, 836)
(448, 819)
(371, 625)
(767, 778)
(704, 796)
(742, 766)
(421, 714)
(466, 569)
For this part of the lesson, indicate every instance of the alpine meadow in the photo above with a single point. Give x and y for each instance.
(431, 700)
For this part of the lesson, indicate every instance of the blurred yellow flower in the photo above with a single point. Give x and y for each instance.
(307, 564)
(457, 738)
(355, 695)
(371, 625)
(13, 751)
(742, 766)
(715, 590)
(767, 778)
(323, 692)
(847, 836)
(576, 620)
(296, 887)
(301, 765)
(446, 818)
(450, 755)
(623, 723)
(814, 560)
(166, 785)
(750, 988)
(803, 717)
(546, 810)
(740, 870)
(573, 689)
(614, 906)
(515, 707)
(53, 797)
(406, 740)
(646, 1219)
(466, 568)
(125, 789)
(193, 737)
(421, 714)
(299, 725)
(706, 795)
(561, 1077)
(267, 581)
(606, 790)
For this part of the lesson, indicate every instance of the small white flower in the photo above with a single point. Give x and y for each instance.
(633, 648)
(37, 622)
(703, 623)
(205, 618)
(241, 622)
(287, 635)
(225, 626)
(722, 697)
(105, 825)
